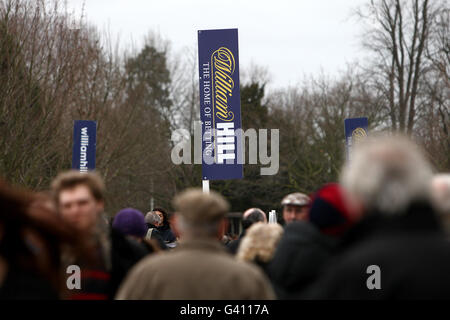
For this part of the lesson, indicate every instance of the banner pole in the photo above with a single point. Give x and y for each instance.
(205, 186)
(273, 216)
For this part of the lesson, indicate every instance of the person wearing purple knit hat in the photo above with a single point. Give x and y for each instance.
(130, 222)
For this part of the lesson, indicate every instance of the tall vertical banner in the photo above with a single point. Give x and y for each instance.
(356, 130)
(84, 144)
(220, 104)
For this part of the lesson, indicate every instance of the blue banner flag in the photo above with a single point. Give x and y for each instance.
(220, 104)
(84, 143)
(356, 130)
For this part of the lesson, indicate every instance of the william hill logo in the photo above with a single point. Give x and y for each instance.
(223, 64)
(358, 135)
(83, 150)
(222, 70)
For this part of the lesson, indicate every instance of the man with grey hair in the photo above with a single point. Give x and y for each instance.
(199, 268)
(386, 174)
(397, 250)
(153, 220)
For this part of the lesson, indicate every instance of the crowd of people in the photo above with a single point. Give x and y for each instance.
(389, 212)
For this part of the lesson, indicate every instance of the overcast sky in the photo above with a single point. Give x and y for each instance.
(291, 38)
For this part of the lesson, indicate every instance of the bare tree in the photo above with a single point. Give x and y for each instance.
(398, 36)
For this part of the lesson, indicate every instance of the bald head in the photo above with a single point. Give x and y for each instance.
(252, 216)
(258, 213)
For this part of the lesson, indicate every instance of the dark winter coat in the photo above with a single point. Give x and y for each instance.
(20, 284)
(233, 246)
(156, 235)
(167, 234)
(125, 254)
(411, 251)
(100, 282)
(300, 254)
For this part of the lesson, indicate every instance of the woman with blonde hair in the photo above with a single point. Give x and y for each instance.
(259, 244)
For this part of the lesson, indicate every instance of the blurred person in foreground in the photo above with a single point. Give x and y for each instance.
(31, 235)
(200, 267)
(259, 244)
(152, 219)
(80, 200)
(249, 217)
(306, 246)
(397, 249)
(295, 207)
